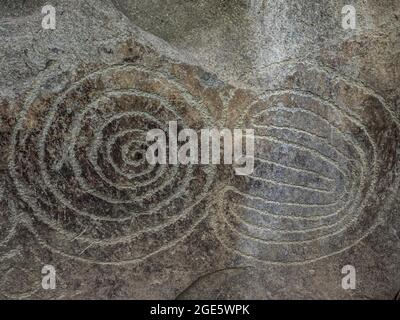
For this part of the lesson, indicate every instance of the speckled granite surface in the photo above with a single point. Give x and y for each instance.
(77, 194)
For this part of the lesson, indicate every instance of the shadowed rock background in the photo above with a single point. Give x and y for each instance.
(76, 192)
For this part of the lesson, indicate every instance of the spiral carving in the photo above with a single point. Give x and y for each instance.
(78, 161)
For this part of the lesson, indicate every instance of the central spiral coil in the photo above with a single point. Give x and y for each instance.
(96, 197)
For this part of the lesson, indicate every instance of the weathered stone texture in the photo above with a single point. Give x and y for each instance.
(77, 193)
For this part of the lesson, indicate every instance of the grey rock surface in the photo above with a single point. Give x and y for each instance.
(76, 193)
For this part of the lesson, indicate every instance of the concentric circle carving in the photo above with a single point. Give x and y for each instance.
(78, 161)
(325, 163)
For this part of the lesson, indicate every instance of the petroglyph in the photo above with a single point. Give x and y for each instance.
(311, 195)
(77, 193)
(85, 159)
(318, 166)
